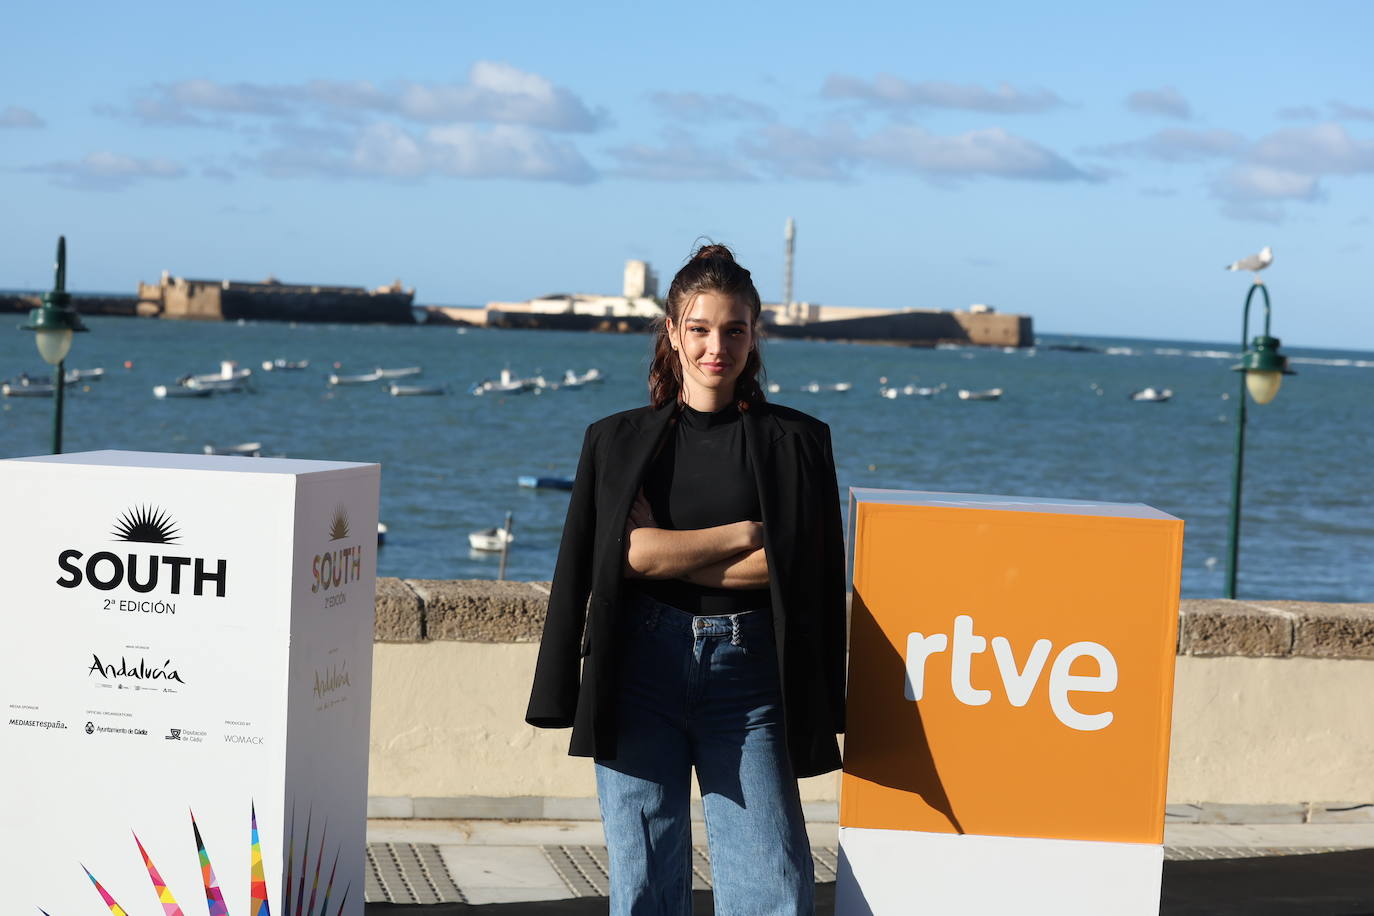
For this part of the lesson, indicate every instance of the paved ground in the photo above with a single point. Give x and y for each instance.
(530, 868)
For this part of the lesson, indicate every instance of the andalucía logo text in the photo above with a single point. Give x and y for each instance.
(139, 672)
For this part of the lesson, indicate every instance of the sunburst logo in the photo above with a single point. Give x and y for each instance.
(338, 526)
(146, 525)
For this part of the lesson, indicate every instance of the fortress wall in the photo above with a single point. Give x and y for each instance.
(1270, 710)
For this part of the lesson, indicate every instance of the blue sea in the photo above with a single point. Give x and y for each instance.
(1063, 428)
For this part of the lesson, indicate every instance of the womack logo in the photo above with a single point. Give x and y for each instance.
(334, 568)
(106, 570)
(139, 672)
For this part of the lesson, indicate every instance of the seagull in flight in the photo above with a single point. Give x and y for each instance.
(1255, 262)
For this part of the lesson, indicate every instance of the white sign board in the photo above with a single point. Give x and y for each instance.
(187, 688)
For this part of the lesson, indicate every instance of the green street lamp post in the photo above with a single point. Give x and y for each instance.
(55, 322)
(1262, 369)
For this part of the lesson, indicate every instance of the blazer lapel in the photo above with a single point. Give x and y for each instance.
(761, 433)
(632, 451)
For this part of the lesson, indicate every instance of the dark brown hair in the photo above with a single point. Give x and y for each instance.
(711, 269)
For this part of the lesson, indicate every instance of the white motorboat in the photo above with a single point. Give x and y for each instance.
(245, 449)
(26, 391)
(1152, 394)
(586, 378)
(181, 391)
(922, 391)
(402, 391)
(284, 365)
(987, 394)
(506, 384)
(229, 371)
(210, 383)
(493, 539)
(363, 379)
(889, 393)
(406, 372)
(84, 375)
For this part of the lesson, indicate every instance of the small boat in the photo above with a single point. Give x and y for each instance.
(817, 387)
(229, 371)
(363, 379)
(774, 388)
(246, 450)
(987, 394)
(210, 383)
(493, 539)
(284, 365)
(181, 391)
(26, 391)
(1152, 394)
(381, 533)
(407, 372)
(922, 392)
(401, 391)
(544, 483)
(889, 393)
(84, 375)
(590, 376)
(506, 384)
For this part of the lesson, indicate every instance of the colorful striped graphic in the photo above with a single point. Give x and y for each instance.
(257, 889)
(214, 897)
(164, 894)
(115, 908)
(259, 904)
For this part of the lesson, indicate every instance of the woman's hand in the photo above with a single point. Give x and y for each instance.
(641, 515)
(665, 553)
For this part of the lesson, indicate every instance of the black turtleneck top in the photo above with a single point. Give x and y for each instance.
(702, 478)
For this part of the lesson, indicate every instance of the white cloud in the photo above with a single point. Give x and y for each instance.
(894, 92)
(976, 153)
(696, 107)
(1253, 192)
(1322, 149)
(386, 150)
(1167, 102)
(107, 171)
(828, 154)
(680, 158)
(494, 93)
(14, 116)
(1351, 112)
(1180, 144)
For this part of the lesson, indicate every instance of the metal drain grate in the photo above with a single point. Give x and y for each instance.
(408, 873)
(586, 870)
(1201, 853)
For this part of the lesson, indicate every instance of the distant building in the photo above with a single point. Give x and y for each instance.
(640, 280)
(272, 300)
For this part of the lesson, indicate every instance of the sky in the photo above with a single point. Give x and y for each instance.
(1092, 165)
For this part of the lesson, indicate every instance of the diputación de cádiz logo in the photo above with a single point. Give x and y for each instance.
(106, 570)
(334, 568)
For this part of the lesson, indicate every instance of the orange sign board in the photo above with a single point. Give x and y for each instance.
(1011, 666)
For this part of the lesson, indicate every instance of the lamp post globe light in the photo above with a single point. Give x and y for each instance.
(54, 323)
(1262, 369)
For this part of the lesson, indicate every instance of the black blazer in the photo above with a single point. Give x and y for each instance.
(575, 677)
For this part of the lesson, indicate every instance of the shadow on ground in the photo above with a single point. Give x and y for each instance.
(583, 906)
(1321, 884)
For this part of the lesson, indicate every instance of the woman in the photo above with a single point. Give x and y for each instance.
(697, 616)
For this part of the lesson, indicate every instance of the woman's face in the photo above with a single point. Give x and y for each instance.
(713, 338)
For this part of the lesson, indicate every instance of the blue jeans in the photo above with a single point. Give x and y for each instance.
(702, 691)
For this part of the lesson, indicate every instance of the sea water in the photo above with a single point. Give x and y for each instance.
(1064, 427)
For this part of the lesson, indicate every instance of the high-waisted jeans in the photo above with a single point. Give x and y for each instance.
(703, 692)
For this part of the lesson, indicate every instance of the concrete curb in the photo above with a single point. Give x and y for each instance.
(485, 610)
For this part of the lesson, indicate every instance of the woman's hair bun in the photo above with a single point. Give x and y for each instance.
(714, 251)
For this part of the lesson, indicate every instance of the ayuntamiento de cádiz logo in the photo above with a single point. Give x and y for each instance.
(334, 568)
(107, 570)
